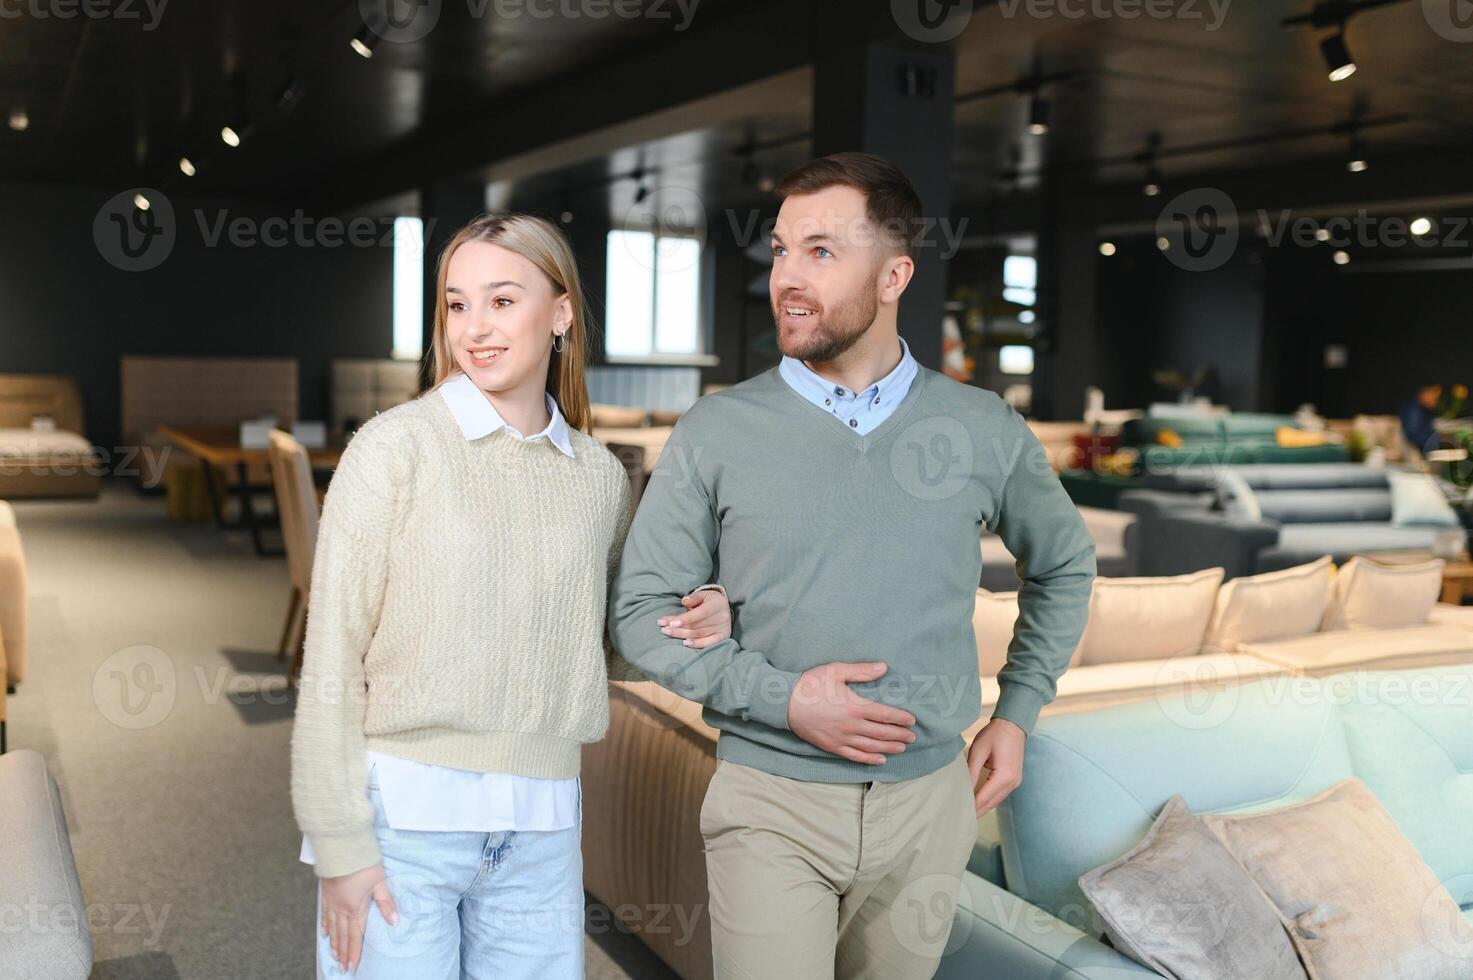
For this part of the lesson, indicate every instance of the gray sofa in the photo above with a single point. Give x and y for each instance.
(1336, 509)
(38, 878)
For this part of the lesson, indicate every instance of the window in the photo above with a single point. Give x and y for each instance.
(653, 296)
(1020, 279)
(1015, 359)
(409, 289)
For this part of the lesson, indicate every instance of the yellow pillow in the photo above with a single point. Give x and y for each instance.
(1168, 437)
(1290, 438)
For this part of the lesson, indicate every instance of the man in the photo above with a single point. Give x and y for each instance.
(1419, 417)
(840, 499)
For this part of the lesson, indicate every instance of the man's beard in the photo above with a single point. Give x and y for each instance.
(839, 329)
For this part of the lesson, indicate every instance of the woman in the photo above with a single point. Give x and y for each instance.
(456, 649)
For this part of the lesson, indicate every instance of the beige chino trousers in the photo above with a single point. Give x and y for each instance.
(812, 881)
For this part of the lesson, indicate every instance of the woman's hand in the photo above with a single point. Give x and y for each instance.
(345, 911)
(707, 623)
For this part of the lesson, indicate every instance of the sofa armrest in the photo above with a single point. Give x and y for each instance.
(1190, 542)
(997, 934)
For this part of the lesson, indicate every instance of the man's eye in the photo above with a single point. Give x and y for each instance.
(822, 252)
(779, 250)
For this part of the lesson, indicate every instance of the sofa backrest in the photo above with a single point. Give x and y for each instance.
(1339, 505)
(1095, 781)
(1410, 738)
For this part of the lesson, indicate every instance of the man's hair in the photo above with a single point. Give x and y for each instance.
(890, 202)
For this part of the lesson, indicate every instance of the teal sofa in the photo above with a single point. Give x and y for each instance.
(1095, 781)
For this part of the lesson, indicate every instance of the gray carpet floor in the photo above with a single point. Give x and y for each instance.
(155, 696)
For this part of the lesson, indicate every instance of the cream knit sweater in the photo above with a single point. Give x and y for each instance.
(456, 614)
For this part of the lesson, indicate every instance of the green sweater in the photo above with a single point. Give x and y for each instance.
(834, 546)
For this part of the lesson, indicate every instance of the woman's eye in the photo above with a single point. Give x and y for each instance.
(500, 300)
(457, 306)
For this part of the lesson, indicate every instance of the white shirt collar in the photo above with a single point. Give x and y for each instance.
(477, 417)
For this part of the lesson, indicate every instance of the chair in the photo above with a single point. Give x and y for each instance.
(296, 501)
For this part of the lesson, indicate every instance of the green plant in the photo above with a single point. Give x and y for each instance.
(1450, 404)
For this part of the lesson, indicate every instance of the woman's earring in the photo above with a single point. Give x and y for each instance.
(555, 345)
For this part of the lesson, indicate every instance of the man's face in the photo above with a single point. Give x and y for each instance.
(826, 264)
(1429, 396)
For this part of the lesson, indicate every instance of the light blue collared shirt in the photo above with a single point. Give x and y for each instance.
(477, 417)
(862, 411)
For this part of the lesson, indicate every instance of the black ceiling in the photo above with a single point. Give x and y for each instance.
(113, 103)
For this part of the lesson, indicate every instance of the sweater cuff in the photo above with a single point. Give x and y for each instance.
(772, 690)
(335, 855)
(1019, 705)
(712, 586)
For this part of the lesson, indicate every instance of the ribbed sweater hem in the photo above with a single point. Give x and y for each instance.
(913, 763)
(518, 753)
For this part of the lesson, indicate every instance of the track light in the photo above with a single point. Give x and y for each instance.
(1356, 163)
(20, 121)
(566, 217)
(1107, 249)
(1421, 226)
(1152, 186)
(229, 136)
(289, 94)
(1038, 115)
(187, 167)
(1341, 257)
(364, 41)
(140, 202)
(1338, 61)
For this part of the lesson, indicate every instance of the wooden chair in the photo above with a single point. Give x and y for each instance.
(297, 503)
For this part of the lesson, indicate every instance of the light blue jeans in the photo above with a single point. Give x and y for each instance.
(472, 906)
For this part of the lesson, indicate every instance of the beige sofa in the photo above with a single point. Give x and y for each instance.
(54, 462)
(644, 783)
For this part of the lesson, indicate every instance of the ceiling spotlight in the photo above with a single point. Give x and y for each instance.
(364, 41)
(229, 136)
(1356, 164)
(140, 202)
(19, 120)
(1107, 248)
(235, 133)
(1421, 226)
(567, 217)
(1152, 186)
(766, 185)
(1322, 234)
(186, 167)
(289, 94)
(1163, 243)
(1038, 115)
(1342, 257)
(1338, 61)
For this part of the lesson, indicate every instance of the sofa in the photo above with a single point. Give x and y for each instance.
(54, 460)
(40, 873)
(1336, 509)
(1095, 782)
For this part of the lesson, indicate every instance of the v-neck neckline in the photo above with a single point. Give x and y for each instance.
(851, 438)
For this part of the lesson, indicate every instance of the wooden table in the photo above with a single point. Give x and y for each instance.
(220, 446)
(651, 439)
(1457, 581)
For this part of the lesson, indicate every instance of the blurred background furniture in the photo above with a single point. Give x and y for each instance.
(214, 392)
(13, 598)
(54, 460)
(1107, 528)
(1305, 511)
(219, 447)
(363, 387)
(297, 503)
(39, 872)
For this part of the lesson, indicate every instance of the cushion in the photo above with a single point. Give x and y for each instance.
(1148, 618)
(1325, 506)
(1271, 606)
(1335, 650)
(1447, 614)
(1291, 438)
(1084, 688)
(1417, 501)
(1236, 499)
(1369, 595)
(1357, 898)
(26, 443)
(1179, 903)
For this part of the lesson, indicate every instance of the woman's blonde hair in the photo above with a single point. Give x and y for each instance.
(540, 242)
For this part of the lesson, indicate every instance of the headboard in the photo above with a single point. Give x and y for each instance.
(205, 391)
(25, 395)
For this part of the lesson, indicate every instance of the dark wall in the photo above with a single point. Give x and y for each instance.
(67, 310)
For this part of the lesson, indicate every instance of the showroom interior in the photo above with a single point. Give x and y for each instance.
(1218, 255)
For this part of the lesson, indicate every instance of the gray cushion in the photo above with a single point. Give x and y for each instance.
(1328, 506)
(37, 870)
(1179, 903)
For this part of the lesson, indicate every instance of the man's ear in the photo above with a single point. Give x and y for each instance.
(895, 275)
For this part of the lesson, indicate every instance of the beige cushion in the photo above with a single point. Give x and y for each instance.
(1369, 595)
(1152, 899)
(1271, 606)
(1390, 649)
(1148, 618)
(1085, 688)
(618, 416)
(1359, 901)
(25, 443)
(1446, 614)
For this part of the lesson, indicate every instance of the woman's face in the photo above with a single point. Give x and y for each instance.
(502, 313)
